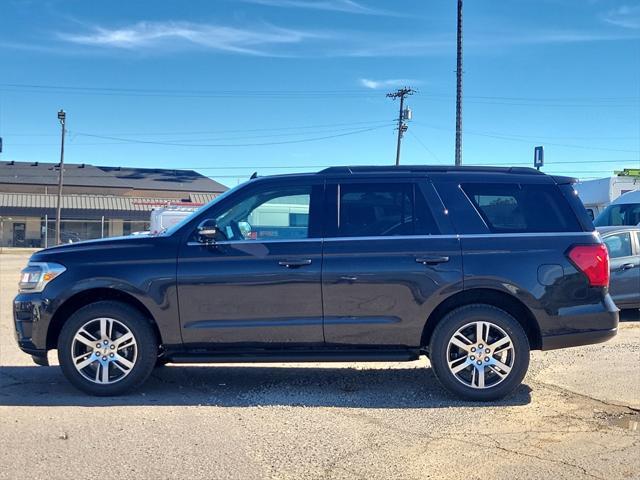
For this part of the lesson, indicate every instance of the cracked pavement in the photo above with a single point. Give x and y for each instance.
(576, 416)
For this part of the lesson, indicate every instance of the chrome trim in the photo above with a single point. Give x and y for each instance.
(530, 234)
(464, 235)
(252, 242)
(402, 237)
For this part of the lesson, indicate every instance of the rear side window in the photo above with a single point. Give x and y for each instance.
(618, 245)
(521, 208)
(621, 214)
(382, 209)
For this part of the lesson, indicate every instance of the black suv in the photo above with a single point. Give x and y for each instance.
(472, 267)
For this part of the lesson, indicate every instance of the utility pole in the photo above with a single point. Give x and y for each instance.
(459, 89)
(402, 115)
(62, 117)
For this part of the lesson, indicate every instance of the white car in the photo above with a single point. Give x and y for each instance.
(623, 211)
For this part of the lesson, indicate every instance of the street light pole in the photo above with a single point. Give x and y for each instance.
(62, 117)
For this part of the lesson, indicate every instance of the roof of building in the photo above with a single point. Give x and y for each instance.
(38, 173)
(92, 202)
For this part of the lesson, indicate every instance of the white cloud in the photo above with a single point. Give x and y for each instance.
(626, 16)
(269, 40)
(347, 6)
(388, 83)
(174, 35)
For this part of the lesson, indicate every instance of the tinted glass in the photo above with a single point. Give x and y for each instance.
(619, 245)
(268, 215)
(623, 214)
(519, 208)
(376, 209)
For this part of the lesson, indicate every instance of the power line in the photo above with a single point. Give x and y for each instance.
(205, 132)
(424, 146)
(283, 142)
(482, 99)
(139, 92)
(519, 138)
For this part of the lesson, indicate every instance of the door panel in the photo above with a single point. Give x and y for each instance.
(259, 283)
(624, 284)
(240, 293)
(383, 271)
(380, 292)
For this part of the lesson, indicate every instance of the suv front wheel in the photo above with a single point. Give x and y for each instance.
(107, 348)
(479, 352)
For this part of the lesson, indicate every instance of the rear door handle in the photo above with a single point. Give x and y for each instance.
(627, 266)
(294, 263)
(432, 260)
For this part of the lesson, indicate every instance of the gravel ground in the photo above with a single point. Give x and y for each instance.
(576, 416)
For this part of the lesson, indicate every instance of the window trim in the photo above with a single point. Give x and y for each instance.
(316, 214)
(333, 189)
(566, 212)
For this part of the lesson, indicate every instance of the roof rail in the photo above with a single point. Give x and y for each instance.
(426, 169)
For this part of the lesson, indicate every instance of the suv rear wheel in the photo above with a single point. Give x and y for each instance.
(107, 348)
(479, 352)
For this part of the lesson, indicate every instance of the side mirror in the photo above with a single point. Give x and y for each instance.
(208, 231)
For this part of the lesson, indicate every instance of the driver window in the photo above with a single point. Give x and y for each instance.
(281, 214)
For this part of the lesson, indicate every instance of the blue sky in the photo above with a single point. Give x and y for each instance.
(228, 87)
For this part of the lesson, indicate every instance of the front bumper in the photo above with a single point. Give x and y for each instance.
(31, 321)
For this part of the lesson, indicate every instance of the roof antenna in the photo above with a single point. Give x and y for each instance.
(253, 175)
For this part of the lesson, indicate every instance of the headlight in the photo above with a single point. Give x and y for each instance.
(36, 275)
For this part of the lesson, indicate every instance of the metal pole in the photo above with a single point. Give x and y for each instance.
(102, 227)
(46, 230)
(62, 118)
(399, 130)
(459, 89)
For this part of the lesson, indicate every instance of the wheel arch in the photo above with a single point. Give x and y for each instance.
(87, 297)
(499, 299)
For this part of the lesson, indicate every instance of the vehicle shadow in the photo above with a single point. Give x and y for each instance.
(630, 315)
(248, 386)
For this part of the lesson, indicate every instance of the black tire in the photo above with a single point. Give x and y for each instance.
(457, 319)
(143, 333)
(161, 362)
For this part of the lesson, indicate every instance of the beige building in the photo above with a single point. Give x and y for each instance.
(96, 202)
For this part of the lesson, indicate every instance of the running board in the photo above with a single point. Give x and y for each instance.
(295, 356)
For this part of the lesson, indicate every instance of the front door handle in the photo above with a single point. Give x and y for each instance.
(627, 266)
(432, 260)
(294, 263)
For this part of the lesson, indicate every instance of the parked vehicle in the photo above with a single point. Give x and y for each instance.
(624, 211)
(623, 244)
(596, 195)
(471, 266)
(167, 216)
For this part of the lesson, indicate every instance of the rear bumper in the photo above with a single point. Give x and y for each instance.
(581, 325)
(576, 339)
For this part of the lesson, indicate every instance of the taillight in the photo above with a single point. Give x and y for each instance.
(593, 261)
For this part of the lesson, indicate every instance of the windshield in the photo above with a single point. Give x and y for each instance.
(171, 230)
(621, 214)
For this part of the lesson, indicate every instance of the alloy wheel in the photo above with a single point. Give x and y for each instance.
(104, 350)
(480, 354)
